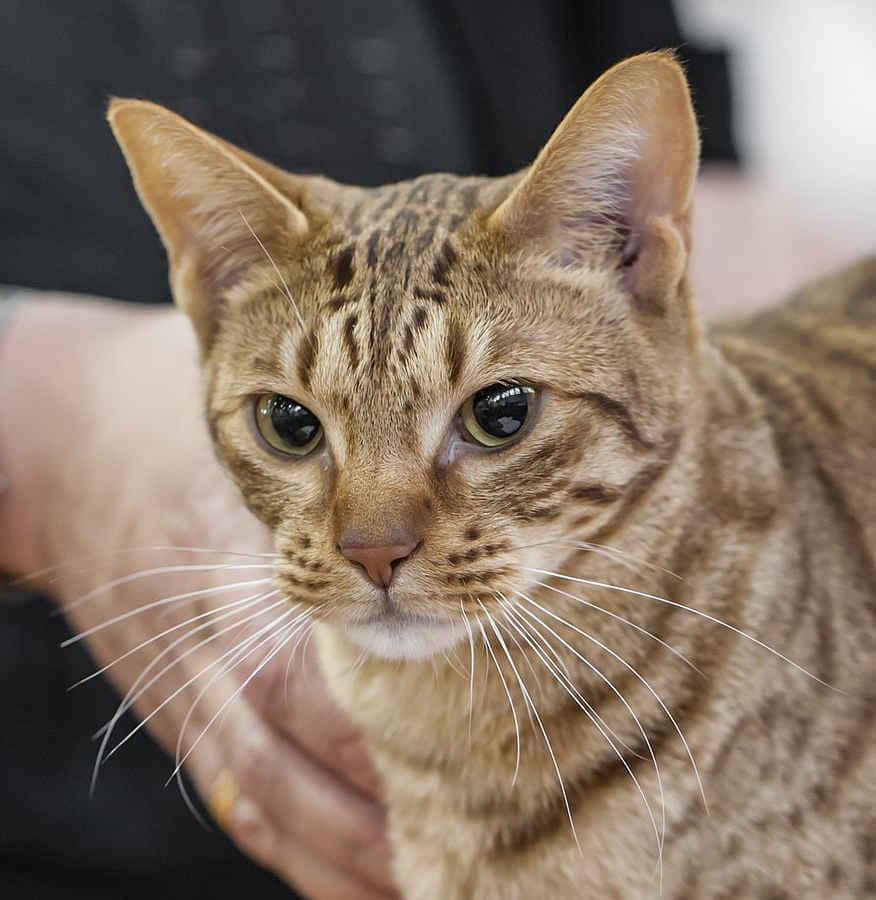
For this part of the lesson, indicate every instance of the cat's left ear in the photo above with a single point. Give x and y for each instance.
(615, 181)
(211, 202)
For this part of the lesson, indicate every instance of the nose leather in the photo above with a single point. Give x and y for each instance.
(379, 562)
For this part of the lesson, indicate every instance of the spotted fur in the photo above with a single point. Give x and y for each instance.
(730, 472)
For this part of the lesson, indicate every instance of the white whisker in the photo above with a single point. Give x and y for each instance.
(507, 694)
(603, 727)
(509, 608)
(289, 661)
(636, 673)
(471, 669)
(178, 774)
(690, 609)
(237, 659)
(528, 700)
(453, 665)
(622, 556)
(160, 570)
(246, 681)
(282, 280)
(219, 589)
(215, 615)
(134, 694)
(69, 564)
(632, 624)
(236, 649)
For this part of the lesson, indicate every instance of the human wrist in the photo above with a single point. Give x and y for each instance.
(16, 525)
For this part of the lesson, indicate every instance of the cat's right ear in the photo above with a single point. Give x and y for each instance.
(211, 203)
(614, 184)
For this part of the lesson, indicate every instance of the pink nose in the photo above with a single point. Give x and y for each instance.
(379, 562)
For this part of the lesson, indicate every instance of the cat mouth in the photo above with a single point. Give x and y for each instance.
(391, 632)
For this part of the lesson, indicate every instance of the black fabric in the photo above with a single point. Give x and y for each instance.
(133, 838)
(365, 91)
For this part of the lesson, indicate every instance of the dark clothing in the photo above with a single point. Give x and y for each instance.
(365, 91)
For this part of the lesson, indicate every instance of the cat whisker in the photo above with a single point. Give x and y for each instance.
(204, 592)
(605, 730)
(509, 609)
(507, 694)
(535, 677)
(134, 694)
(289, 633)
(178, 774)
(238, 659)
(636, 673)
(453, 664)
(528, 700)
(56, 570)
(282, 280)
(622, 556)
(508, 605)
(358, 663)
(250, 643)
(215, 615)
(160, 570)
(309, 637)
(471, 670)
(632, 624)
(692, 610)
(289, 662)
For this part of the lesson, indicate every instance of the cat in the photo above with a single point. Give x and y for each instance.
(596, 584)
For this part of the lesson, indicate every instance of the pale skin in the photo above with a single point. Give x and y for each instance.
(132, 466)
(309, 801)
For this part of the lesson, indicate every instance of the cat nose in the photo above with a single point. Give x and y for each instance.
(378, 561)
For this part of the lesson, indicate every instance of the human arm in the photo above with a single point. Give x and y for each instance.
(102, 441)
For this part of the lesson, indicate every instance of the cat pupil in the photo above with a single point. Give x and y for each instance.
(501, 409)
(294, 423)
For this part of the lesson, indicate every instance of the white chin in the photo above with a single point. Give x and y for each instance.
(413, 640)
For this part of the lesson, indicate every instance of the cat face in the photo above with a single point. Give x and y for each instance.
(432, 390)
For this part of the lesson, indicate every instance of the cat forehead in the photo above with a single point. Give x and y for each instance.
(412, 211)
(398, 305)
(391, 297)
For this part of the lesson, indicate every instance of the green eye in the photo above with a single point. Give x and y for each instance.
(495, 415)
(286, 425)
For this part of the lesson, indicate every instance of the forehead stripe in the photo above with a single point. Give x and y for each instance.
(455, 351)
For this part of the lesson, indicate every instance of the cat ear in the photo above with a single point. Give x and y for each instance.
(209, 202)
(616, 179)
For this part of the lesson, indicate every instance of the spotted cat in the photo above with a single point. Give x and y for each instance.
(597, 584)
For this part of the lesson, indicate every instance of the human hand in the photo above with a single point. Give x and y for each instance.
(102, 439)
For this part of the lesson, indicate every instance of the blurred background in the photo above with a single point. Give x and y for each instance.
(371, 92)
(803, 83)
(366, 91)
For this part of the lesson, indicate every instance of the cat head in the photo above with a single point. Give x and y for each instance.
(431, 390)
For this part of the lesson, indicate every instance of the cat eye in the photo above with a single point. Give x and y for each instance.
(495, 415)
(286, 425)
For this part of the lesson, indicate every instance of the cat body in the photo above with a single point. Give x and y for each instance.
(629, 649)
(773, 519)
